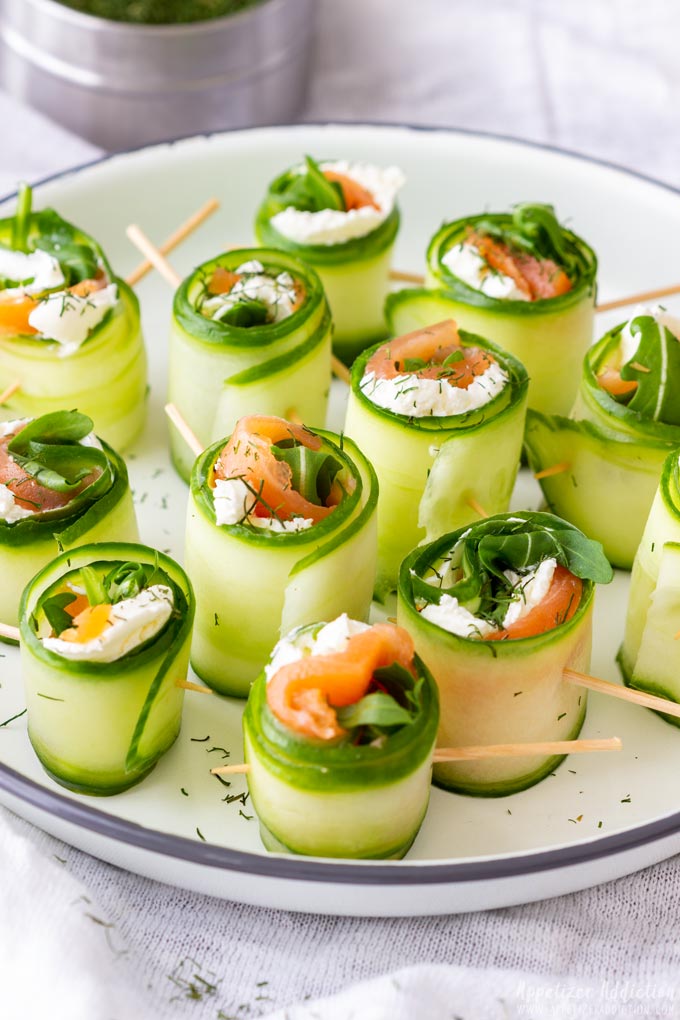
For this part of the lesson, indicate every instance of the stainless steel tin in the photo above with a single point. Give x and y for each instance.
(122, 85)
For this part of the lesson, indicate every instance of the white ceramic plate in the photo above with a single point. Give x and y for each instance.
(599, 816)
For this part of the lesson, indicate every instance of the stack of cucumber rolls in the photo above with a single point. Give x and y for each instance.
(522, 280)
(105, 634)
(281, 532)
(602, 465)
(60, 487)
(339, 731)
(650, 655)
(70, 332)
(440, 415)
(340, 217)
(497, 611)
(251, 330)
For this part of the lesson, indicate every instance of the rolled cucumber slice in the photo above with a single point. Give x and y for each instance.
(105, 378)
(503, 691)
(219, 372)
(354, 273)
(341, 800)
(430, 468)
(253, 586)
(26, 546)
(662, 533)
(99, 728)
(615, 458)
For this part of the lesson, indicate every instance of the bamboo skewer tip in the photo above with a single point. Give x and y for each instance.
(192, 223)
(10, 391)
(187, 434)
(9, 632)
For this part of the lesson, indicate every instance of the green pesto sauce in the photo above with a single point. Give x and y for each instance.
(158, 12)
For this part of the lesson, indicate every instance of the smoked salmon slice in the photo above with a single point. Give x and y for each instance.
(303, 695)
(28, 493)
(559, 605)
(354, 195)
(610, 380)
(537, 279)
(432, 353)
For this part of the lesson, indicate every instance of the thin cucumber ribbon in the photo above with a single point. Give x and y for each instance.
(611, 452)
(650, 653)
(253, 585)
(99, 727)
(539, 333)
(221, 371)
(429, 467)
(509, 690)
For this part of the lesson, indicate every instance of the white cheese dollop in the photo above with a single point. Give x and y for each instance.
(41, 269)
(419, 398)
(531, 588)
(131, 622)
(629, 343)
(10, 511)
(278, 293)
(69, 319)
(329, 640)
(233, 502)
(333, 226)
(465, 262)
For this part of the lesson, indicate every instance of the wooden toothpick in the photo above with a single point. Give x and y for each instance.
(554, 469)
(188, 685)
(9, 632)
(10, 391)
(189, 437)
(639, 299)
(593, 683)
(402, 277)
(176, 238)
(477, 507)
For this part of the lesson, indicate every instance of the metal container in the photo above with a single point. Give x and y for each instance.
(121, 85)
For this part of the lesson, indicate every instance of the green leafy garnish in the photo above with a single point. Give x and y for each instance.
(313, 471)
(656, 397)
(413, 364)
(394, 704)
(54, 609)
(536, 230)
(127, 580)
(94, 586)
(246, 313)
(309, 191)
(49, 449)
(22, 218)
(377, 709)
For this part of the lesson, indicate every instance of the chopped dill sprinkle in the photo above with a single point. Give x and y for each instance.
(225, 753)
(183, 792)
(199, 740)
(200, 834)
(248, 818)
(12, 718)
(561, 716)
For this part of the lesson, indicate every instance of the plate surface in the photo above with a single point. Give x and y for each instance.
(599, 816)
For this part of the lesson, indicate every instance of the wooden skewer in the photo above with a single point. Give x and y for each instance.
(478, 752)
(187, 685)
(555, 469)
(402, 277)
(189, 437)
(9, 632)
(175, 238)
(477, 507)
(445, 754)
(10, 391)
(593, 683)
(639, 299)
(155, 256)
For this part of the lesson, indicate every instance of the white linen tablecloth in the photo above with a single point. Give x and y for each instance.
(81, 940)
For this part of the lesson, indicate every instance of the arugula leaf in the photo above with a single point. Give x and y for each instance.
(54, 609)
(656, 396)
(413, 364)
(309, 191)
(94, 586)
(452, 358)
(536, 230)
(246, 313)
(77, 261)
(377, 709)
(22, 218)
(127, 580)
(49, 450)
(314, 471)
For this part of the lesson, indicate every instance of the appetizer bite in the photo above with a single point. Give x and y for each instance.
(600, 468)
(60, 487)
(70, 331)
(440, 415)
(251, 332)
(339, 731)
(497, 611)
(520, 279)
(105, 634)
(650, 654)
(342, 218)
(280, 531)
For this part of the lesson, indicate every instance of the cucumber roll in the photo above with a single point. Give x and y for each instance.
(520, 279)
(105, 634)
(609, 454)
(650, 654)
(280, 532)
(60, 487)
(440, 415)
(339, 731)
(497, 611)
(251, 332)
(341, 218)
(70, 331)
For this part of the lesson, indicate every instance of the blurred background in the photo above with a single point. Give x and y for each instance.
(598, 76)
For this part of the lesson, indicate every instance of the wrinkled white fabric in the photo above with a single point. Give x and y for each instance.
(81, 940)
